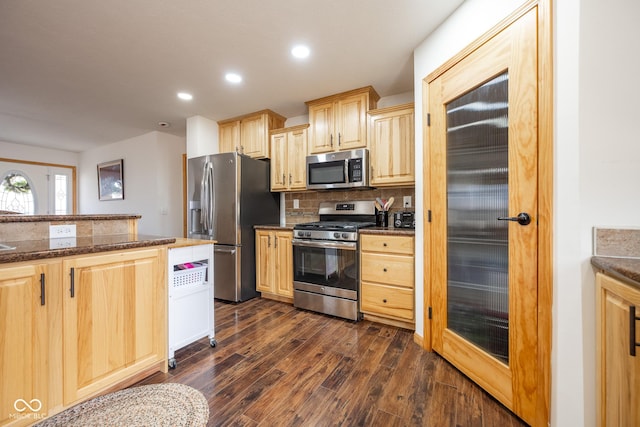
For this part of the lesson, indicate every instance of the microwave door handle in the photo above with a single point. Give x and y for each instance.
(346, 171)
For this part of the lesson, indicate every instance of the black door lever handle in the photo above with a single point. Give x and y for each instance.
(523, 218)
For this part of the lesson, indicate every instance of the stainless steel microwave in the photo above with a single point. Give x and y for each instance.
(343, 169)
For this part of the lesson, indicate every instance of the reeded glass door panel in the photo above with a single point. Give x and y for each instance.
(477, 194)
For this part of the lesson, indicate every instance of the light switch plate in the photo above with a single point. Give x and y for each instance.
(296, 203)
(64, 230)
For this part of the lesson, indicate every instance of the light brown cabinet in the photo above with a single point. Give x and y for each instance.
(391, 142)
(115, 314)
(387, 279)
(274, 264)
(249, 134)
(288, 158)
(339, 122)
(618, 370)
(30, 350)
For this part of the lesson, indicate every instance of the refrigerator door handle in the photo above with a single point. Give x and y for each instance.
(230, 251)
(207, 208)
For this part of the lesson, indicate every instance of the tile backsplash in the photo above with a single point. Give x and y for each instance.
(616, 242)
(309, 201)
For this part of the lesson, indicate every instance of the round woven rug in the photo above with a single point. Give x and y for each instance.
(149, 405)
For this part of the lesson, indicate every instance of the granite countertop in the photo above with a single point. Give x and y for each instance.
(183, 242)
(274, 227)
(388, 231)
(28, 250)
(625, 269)
(44, 218)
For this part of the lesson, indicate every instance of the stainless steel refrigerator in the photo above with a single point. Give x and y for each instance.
(228, 194)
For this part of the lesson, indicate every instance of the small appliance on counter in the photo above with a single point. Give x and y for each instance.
(404, 219)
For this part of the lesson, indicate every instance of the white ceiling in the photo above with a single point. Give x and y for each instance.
(75, 74)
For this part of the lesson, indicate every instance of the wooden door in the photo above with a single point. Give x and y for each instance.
(392, 142)
(483, 165)
(254, 136)
(284, 263)
(115, 320)
(618, 369)
(297, 153)
(351, 122)
(321, 122)
(229, 137)
(279, 161)
(24, 345)
(264, 260)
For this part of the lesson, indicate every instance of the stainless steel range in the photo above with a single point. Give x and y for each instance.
(326, 273)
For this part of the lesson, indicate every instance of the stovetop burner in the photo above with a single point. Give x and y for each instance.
(333, 225)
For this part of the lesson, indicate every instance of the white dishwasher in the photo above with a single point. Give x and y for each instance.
(190, 303)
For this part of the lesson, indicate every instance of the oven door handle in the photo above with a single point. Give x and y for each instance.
(349, 246)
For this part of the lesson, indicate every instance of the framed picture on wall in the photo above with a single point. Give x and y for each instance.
(110, 180)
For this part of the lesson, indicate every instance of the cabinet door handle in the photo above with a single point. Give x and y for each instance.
(289, 179)
(339, 139)
(632, 330)
(275, 243)
(331, 140)
(72, 290)
(42, 289)
(284, 179)
(269, 241)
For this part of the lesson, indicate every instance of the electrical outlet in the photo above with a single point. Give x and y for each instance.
(59, 231)
(296, 203)
(406, 201)
(62, 243)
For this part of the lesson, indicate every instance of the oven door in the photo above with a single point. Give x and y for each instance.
(330, 266)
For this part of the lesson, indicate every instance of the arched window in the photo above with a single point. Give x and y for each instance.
(16, 194)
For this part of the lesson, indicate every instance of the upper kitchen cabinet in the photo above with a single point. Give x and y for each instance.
(288, 153)
(391, 142)
(249, 134)
(339, 122)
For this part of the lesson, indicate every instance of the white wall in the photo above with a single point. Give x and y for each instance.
(202, 136)
(152, 181)
(30, 153)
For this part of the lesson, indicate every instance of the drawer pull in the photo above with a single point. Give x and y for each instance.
(384, 300)
(384, 244)
(632, 330)
(384, 269)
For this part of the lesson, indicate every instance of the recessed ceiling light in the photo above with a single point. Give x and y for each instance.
(185, 96)
(233, 77)
(300, 51)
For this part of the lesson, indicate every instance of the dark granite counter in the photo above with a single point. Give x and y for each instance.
(66, 218)
(625, 269)
(388, 231)
(273, 227)
(29, 250)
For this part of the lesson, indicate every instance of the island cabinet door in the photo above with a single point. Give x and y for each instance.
(114, 318)
(27, 306)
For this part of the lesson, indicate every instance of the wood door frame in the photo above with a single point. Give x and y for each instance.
(545, 191)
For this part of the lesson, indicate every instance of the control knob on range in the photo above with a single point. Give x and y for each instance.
(345, 235)
(307, 234)
(336, 235)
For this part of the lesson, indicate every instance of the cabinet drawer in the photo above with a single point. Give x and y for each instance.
(387, 269)
(387, 301)
(387, 244)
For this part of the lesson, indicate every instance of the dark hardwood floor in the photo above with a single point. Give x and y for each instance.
(275, 365)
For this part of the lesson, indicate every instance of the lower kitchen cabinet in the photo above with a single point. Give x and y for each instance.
(30, 346)
(387, 279)
(115, 319)
(618, 370)
(274, 264)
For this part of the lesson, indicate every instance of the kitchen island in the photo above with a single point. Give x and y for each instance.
(79, 316)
